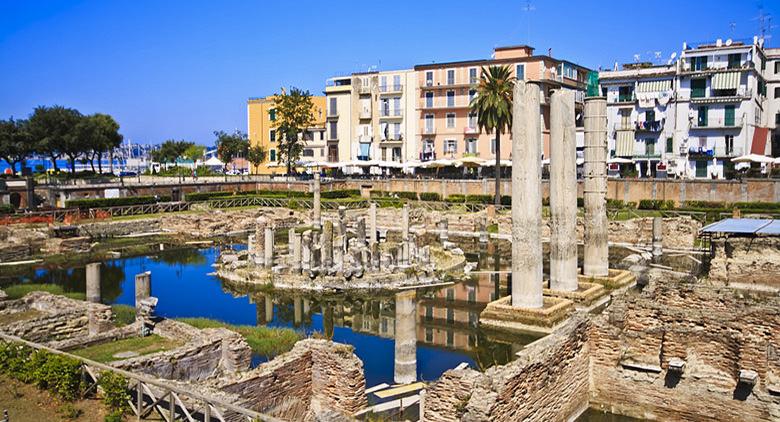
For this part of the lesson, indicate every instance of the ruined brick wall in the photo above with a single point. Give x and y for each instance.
(315, 377)
(547, 382)
(716, 331)
(60, 317)
(740, 260)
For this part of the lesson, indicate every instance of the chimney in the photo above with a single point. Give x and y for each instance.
(549, 52)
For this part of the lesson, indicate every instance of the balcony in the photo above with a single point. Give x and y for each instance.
(395, 113)
(721, 123)
(394, 137)
(333, 114)
(456, 104)
(716, 67)
(740, 95)
(624, 99)
(365, 113)
(647, 155)
(364, 89)
(365, 139)
(653, 126)
(391, 89)
(453, 84)
(429, 130)
(470, 131)
(624, 126)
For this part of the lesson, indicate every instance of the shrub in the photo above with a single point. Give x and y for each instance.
(115, 392)
(412, 196)
(201, 196)
(6, 209)
(456, 198)
(58, 374)
(123, 315)
(615, 203)
(115, 202)
(704, 204)
(340, 194)
(479, 199)
(762, 206)
(430, 196)
(656, 204)
(506, 200)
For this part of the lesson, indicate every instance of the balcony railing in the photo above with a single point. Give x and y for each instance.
(396, 112)
(333, 113)
(649, 126)
(428, 130)
(720, 123)
(710, 152)
(468, 130)
(365, 113)
(391, 88)
(624, 126)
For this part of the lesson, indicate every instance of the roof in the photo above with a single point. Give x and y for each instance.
(496, 61)
(754, 226)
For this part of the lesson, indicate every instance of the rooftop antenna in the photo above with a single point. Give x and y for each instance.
(636, 58)
(764, 23)
(528, 8)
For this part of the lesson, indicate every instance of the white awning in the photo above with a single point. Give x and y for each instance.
(624, 145)
(728, 80)
(654, 86)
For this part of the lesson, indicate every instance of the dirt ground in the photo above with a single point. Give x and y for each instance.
(26, 403)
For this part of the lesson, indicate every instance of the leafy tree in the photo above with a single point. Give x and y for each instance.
(170, 150)
(193, 152)
(493, 106)
(15, 142)
(53, 130)
(256, 155)
(293, 115)
(100, 134)
(231, 145)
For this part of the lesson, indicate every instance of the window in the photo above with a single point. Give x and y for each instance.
(396, 106)
(451, 77)
(450, 98)
(429, 78)
(272, 135)
(428, 312)
(472, 294)
(450, 294)
(429, 335)
(625, 93)
(333, 110)
(429, 99)
(472, 95)
(777, 91)
(383, 83)
(272, 114)
(272, 155)
(702, 117)
(650, 147)
(567, 71)
(777, 67)
(493, 146)
(699, 63)
(429, 123)
(734, 61)
(650, 116)
(701, 169)
(729, 144)
(450, 120)
(308, 152)
(728, 116)
(520, 72)
(396, 154)
(385, 107)
(334, 130)
(698, 88)
(450, 318)
(396, 131)
(473, 78)
(472, 120)
(396, 82)
(450, 338)
(471, 146)
(450, 147)
(669, 145)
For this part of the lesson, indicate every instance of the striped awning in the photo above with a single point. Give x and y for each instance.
(727, 80)
(654, 86)
(624, 143)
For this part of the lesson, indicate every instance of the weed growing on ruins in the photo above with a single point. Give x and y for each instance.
(264, 341)
(18, 291)
(123, 315)
(142, 345)
(69, 411)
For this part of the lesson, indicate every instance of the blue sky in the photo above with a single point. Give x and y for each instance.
(182, 69)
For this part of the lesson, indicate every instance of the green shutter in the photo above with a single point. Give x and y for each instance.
(669, 145)
(701, 169)
(729, 120)
(702, 121)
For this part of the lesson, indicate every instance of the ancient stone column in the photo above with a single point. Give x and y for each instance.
(317, 203)
(482, 226)
(268, 259)
(338, 252)
(361, 231)
(372, 223)
(405, 338)
(405, 223)
(327, 244)
(596, 259)
(526, 184)
(93, 282)
(563, 192)
(443, 230)
(259, 252)
(296, 253)
(342, 220)
(290, 236)
(306, 251)
(658, 236)
(375, 256)
(143, 287)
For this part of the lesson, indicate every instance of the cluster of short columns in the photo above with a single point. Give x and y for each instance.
(526, 184)
(596, 259)
(563, 192)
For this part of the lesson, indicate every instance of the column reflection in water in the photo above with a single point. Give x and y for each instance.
(327, 320)
(405, 337)
(297, 311)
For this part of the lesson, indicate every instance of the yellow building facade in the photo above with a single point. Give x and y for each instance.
(261, 117)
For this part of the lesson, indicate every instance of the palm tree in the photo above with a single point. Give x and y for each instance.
(493, 106)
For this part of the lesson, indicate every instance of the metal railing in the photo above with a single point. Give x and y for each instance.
(124, 210)
(391, 88)
(395, 112)
(170, 402)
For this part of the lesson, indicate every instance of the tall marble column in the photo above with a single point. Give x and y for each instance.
(563, 192)
(596, 259)
(93, 282)
(296, 253)
(259, 242)
(372, 223)
(143, 287)
(327, 245)
(316, 211)
(658, 236)
(405, 337)
(268, 260)
(526, 184)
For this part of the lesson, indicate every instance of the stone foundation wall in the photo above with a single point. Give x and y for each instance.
(207, 353)
(119, 228)
(316, 376)
(739, 260)
(716, 331)
(547, 382)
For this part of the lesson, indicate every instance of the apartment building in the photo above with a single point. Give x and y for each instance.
(772, 111)
(261, 117)
(448, 129)
(372, 116)
(692, 117)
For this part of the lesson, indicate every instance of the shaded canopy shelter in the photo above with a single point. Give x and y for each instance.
(753, 158)
(214, 162)
(744, 226)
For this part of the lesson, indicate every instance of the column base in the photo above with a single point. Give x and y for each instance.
(586, 293)
(615, 280)
(500, 314)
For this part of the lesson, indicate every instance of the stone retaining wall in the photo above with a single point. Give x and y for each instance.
(746, 261)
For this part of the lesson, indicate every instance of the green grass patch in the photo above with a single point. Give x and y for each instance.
(19, 316)
(18, 291)
(142, 345)
(264, 341)
(123, 315)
